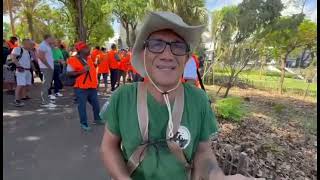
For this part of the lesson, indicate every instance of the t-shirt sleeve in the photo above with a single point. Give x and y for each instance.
(42, 48)
(16, 51)
(209, 123)
(109, 114)
(190, 70)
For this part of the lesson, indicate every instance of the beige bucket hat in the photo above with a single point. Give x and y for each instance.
(156, 21)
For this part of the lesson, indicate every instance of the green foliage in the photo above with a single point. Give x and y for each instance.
(278, 108)
(129, 12)
(193, 12)
(238, 33)
(98, 24)
(230, 108)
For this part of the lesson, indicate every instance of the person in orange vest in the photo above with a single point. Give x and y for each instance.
(103, 68)
(82, 67)
(12, 43)
(190, 74)
(114, 62)
(130, 68)
(95, 52)
(123, 67)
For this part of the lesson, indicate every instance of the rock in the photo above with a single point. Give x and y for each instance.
(250, 151)
(259, 173)
(237, 148)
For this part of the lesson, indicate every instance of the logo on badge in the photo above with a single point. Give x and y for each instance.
(183, 137)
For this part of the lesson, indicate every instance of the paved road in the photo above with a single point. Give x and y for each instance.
(47, 144)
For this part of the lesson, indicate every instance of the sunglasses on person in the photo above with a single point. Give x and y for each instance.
(158, 46)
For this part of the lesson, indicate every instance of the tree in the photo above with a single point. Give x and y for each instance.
(129, 12)
(86, 21)
(9, 6)
(28, 11)
(75, 10)
(287, 34)
(192, 12)
(239, 33)
(45, 20)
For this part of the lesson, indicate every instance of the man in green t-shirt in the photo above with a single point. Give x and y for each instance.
(58, 65)
(160, 129)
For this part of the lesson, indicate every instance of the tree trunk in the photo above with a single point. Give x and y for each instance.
(11, 17)
(229, 85)
(261, 66)
(306, 91)
(127, 35)
(283, 65)
(80, 30)
(133, 34)
(30, 25)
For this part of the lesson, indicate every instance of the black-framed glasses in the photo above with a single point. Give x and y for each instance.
(158, 46)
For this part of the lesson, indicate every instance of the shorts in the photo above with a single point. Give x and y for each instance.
(23, 78)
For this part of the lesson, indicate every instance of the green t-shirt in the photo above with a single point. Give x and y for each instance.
(198, 124)
(57, 55)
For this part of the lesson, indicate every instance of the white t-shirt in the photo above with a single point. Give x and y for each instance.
(25, 60)
(44, 47)
(190, 70)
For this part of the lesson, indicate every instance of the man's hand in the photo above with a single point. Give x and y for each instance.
(205, 164)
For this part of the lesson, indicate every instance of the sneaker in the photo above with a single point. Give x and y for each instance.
(52, 101)
(85, 127)
(49, 105)
(58, 94)
(26, 98)
(99, 94)
(18, 103)
(52, 97)
(98, 122)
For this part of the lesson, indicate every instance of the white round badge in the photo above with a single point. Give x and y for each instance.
(183, 137)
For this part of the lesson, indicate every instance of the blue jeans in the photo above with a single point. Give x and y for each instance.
(90, 95)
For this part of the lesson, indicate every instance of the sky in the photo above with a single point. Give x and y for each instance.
(310, 9)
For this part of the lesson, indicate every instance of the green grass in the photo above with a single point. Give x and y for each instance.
(271, 82)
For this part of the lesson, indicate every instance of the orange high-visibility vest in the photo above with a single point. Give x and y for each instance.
(103, 67)
(125, 61)
(91, 80)
(94, 54)
(113, 63)
(11, 45)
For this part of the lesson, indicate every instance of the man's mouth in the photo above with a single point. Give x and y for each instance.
(165, 67)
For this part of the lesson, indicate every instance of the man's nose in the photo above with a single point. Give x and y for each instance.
(167, 51)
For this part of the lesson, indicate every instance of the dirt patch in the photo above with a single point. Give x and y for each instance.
(278, 134)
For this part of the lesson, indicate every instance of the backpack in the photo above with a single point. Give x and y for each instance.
(11, 66)
(68, 80)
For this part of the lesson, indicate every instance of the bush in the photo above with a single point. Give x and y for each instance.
(230, 108)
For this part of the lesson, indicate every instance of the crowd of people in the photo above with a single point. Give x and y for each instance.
(48, 60)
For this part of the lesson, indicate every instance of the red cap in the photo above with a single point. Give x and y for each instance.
(80, 45)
